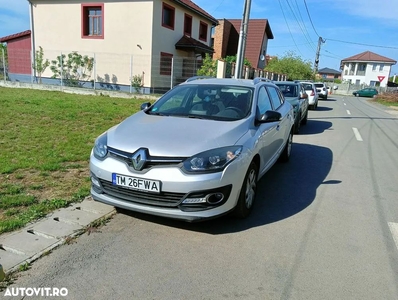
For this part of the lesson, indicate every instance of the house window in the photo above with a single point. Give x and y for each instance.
(166, 60)
(203, 31)
(381, 67)
(374, 67)
(93, 20)
(188, 25)
(168, 16)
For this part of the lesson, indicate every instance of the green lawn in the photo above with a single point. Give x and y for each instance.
(45, 143)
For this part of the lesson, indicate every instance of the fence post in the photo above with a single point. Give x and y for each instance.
(4, 65)
(131, 74)
(62, 73)
(172, 72)
(95, 70)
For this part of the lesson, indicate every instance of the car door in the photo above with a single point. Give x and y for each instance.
(283, 128)
(267, 132)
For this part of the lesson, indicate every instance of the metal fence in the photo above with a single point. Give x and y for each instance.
(143, 74)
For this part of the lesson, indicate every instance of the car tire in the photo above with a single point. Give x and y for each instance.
(356, 95)
(285, 155)
(248, 193)
(304, 120)
(297, 125)
(326, 97)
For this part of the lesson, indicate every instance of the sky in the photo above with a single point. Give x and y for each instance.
(348, 27)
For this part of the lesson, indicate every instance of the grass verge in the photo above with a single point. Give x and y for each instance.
(45, 143)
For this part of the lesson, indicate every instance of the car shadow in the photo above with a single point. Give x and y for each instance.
(323, 108)
(315, 127)
(283, 192)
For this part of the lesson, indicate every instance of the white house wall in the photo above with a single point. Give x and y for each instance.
(127, 36)
(370, 74)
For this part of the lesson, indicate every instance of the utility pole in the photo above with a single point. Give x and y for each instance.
(318, 50)
(240, 56)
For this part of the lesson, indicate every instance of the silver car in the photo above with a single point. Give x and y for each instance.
(197, 152)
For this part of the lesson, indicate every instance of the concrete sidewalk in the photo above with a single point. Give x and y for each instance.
(37, 239)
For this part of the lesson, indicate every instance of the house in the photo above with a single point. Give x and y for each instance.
(328, 74)
(367, 68)
(161, 41)
(19, 55)
(226, 38)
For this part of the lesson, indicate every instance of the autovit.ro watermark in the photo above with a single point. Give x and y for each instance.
(36, 291)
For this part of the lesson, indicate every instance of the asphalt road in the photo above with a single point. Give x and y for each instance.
(324, 226)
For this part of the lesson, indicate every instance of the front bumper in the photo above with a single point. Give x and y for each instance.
(177, 187)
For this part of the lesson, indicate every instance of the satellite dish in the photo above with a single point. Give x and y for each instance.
(262, 57)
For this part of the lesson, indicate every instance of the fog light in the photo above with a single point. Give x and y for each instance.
(194, 200)
(215, 198)
(95, 181)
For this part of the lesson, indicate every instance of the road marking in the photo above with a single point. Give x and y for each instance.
(348, 112)
(394, 232)
(357, 134)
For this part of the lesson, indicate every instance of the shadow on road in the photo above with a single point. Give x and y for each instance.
(285, 190)
(315, 127)
(323, 108)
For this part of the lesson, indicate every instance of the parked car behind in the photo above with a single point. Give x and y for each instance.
(313, 96)
(367, 92)
(321, 90)
(294, 93)
(197, 152)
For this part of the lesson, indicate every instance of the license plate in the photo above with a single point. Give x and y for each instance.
(136, 183)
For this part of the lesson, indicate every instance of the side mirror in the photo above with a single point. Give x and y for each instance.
(145, 106)
(270, 116)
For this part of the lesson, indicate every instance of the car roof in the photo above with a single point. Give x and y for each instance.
(287, 82)
(227, 81)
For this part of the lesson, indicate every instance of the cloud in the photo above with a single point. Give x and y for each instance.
(14, 16)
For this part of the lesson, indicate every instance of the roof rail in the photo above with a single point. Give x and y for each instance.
(198, 77)
(259, 79)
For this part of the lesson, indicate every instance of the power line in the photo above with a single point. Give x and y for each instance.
(280, 4)
(309, 16)
(300, 26)
(218, 6)
(362, 44)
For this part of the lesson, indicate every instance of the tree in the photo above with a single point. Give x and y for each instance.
(40, 65)
(292, 65)
(72, 69)
(3, 64)
(209, 67)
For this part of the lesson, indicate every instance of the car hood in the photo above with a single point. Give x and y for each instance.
(174, 136)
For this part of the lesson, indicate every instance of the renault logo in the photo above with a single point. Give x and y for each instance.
(139, 159)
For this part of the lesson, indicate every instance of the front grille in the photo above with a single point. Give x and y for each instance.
(152, 161)
(163, 199)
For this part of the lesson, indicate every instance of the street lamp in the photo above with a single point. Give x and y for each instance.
(240, 56)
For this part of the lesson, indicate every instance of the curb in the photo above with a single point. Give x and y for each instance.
(40, 238)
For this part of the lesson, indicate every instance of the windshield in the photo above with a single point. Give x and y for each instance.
(288, 90)
(319, 85)
(216, 102)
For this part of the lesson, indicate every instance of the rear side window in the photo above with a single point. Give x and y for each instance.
(276, 97)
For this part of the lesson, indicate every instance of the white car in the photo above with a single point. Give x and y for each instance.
(313, 96)
(321, 90)
(197, 152)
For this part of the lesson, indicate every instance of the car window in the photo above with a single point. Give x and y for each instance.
(307, 86)
(288, 90)
(319, 84)
(276, 97)
(264, 102)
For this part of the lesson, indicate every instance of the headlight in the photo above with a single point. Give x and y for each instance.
(214, 160)
(100, 147)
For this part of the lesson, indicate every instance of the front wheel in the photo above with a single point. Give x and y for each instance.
(297, 125)
(248, 193)
(357, 95)
(304, 120)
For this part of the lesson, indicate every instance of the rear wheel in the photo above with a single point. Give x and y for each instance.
(297, 125)
(304, 121)
(285, 155)
(248, 192)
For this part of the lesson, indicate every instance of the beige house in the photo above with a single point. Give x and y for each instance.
(160, 40)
